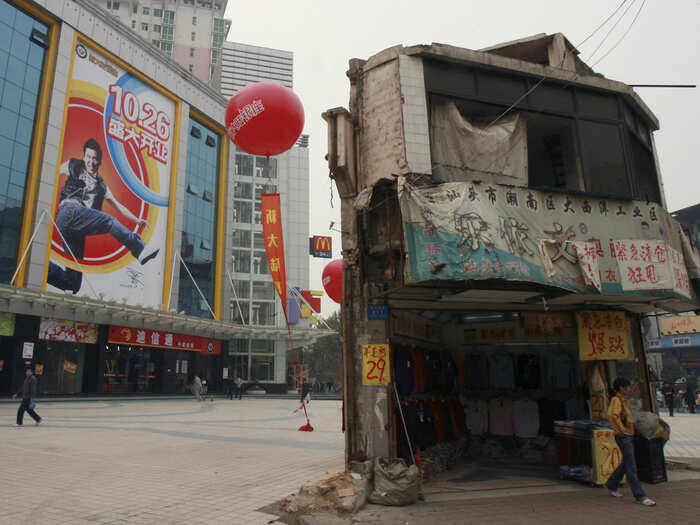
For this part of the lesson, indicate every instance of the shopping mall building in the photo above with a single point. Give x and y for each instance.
(117, 186)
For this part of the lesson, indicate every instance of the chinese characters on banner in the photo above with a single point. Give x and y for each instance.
(679, 272)
(156, 338)
(490, 331)
(70, 331)
(607, 455)
(375, 365)
(602, 335)
(587, 254)
(274, 244)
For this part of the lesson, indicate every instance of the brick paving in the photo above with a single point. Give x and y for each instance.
(162, 461)
(685, 435)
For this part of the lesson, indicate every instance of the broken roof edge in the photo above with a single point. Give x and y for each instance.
(449, 53)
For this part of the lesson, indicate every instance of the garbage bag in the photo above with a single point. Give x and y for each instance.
(650, 426)
(395, 483)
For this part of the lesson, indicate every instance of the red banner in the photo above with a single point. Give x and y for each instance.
(155, 338)
(274, 244)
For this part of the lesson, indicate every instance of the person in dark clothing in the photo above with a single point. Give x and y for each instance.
(690, 398)
(668, 393)
(80, 215)
(28, 393)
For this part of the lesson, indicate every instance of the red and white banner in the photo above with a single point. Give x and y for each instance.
(274, 244)
(155, 338)
(587, 254)
(651, 265)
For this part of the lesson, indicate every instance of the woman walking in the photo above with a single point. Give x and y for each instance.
(620, 417)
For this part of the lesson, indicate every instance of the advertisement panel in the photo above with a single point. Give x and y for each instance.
(160, 339)
(69, 331)
(321, 246)
(472, 230)
(112, 189)
(274, 243)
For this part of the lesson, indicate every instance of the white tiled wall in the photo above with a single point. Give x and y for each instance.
(415, 114)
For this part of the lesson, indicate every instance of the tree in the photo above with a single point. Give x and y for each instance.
(323, 357)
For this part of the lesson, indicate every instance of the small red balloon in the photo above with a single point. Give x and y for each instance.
(332, 277)
(264, 118)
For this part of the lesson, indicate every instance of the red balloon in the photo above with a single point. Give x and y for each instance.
(333, 280)
(264, 118)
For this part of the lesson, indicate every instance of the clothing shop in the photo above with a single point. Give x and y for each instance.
(502, 393)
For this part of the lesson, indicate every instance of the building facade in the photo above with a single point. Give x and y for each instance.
(503, 227)
(192, 32)
(116, 213)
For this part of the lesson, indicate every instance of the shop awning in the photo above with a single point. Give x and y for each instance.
(46, 304)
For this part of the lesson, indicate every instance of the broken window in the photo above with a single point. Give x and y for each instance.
(603, 159)
(551, 152)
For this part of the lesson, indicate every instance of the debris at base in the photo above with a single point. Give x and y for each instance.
(395, 483)
(339, 495)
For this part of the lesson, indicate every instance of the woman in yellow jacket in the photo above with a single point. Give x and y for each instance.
(620, 417)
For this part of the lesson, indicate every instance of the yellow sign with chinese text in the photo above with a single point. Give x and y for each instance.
(607, 455)
(375, 365)
(603, 336)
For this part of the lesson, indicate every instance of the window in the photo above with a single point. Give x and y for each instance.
(260, 263)
(156, 43)
(191, 51)
(242, 288)
(167, 33)
(194, 36)
(157, 28)
(168, 17)
(264, 290)
(133, 24)
(551, 150)
(242, 211)
(135, 9)
(258, 242)
(167, 48)
(156, 12)
(214, 55)
(241, 238)
(190, 68)
(113, 5)
(262, 346)
(603, 159)
(244, 165)
(144, 26)
(22, 60)
(194, 20)
(242, 190)
(263, 313)
(219, 25)
(199, 222)
(262, 368)
(217, 40)
(241, 261)
(146, 11)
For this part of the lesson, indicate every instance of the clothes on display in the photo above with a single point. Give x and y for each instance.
(501, 371)
(501, 417)
(527, 371)
(526, 418)
(562, 371)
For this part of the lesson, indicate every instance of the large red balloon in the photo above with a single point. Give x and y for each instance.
(264, 119)
(333, 280)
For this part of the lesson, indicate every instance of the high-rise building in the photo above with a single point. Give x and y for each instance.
(190, 31)
(243, 64)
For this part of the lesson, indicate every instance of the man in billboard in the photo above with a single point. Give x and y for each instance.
(80, 215)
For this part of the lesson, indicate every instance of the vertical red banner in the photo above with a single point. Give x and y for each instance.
(274, 244)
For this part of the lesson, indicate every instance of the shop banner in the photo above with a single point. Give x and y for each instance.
(607, 455)
(155, 338)
(651, 265)
(70, 331)
(680, 324)
(274, 244)
(473, 230)
(603, 336)
(7, 324)
(113, 185)
(587, 255)
(376, 370)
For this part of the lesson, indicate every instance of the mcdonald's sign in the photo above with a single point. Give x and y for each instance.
(321, 246)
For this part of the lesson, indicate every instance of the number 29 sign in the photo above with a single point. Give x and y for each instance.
(375, 365)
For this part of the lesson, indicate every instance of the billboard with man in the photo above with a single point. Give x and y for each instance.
(110, 213)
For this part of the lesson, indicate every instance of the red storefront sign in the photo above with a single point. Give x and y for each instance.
(274, 243)
(155, 338)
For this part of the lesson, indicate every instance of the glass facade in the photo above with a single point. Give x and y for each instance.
(254, 176)
(199, 220)
(253, 360)
(23, 43)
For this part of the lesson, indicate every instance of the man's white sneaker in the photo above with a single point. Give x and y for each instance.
(616, 493)
(647, 502)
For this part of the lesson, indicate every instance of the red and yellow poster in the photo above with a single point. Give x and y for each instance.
(110, 211)
(375, 365)
(274, 243)
(602, 336)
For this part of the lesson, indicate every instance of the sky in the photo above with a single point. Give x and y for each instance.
(661, 47)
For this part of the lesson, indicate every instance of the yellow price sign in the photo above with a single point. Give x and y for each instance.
(602, 336)
(608, 455)
(375, 365)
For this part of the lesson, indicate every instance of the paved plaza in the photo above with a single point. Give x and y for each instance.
(183, 462)
(162, 462)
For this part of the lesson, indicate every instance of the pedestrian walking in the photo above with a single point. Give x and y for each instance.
(239, 387)
(668, 393)
(197, 387)
(690, 398)
(622, 421)
(28, 393)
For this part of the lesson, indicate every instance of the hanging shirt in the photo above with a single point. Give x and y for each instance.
(477, 371)
(501, 371)
(418, 370)
(527, 371)
(562, 368)
(526, 418)
(501, 417)
(403, 370)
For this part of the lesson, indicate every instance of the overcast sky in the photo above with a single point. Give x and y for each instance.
(663, 46)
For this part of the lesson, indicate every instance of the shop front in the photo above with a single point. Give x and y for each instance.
(157, 362)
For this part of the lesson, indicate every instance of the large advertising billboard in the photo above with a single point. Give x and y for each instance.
(110, 213)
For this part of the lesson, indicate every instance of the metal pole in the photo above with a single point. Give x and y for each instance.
(31, 240)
